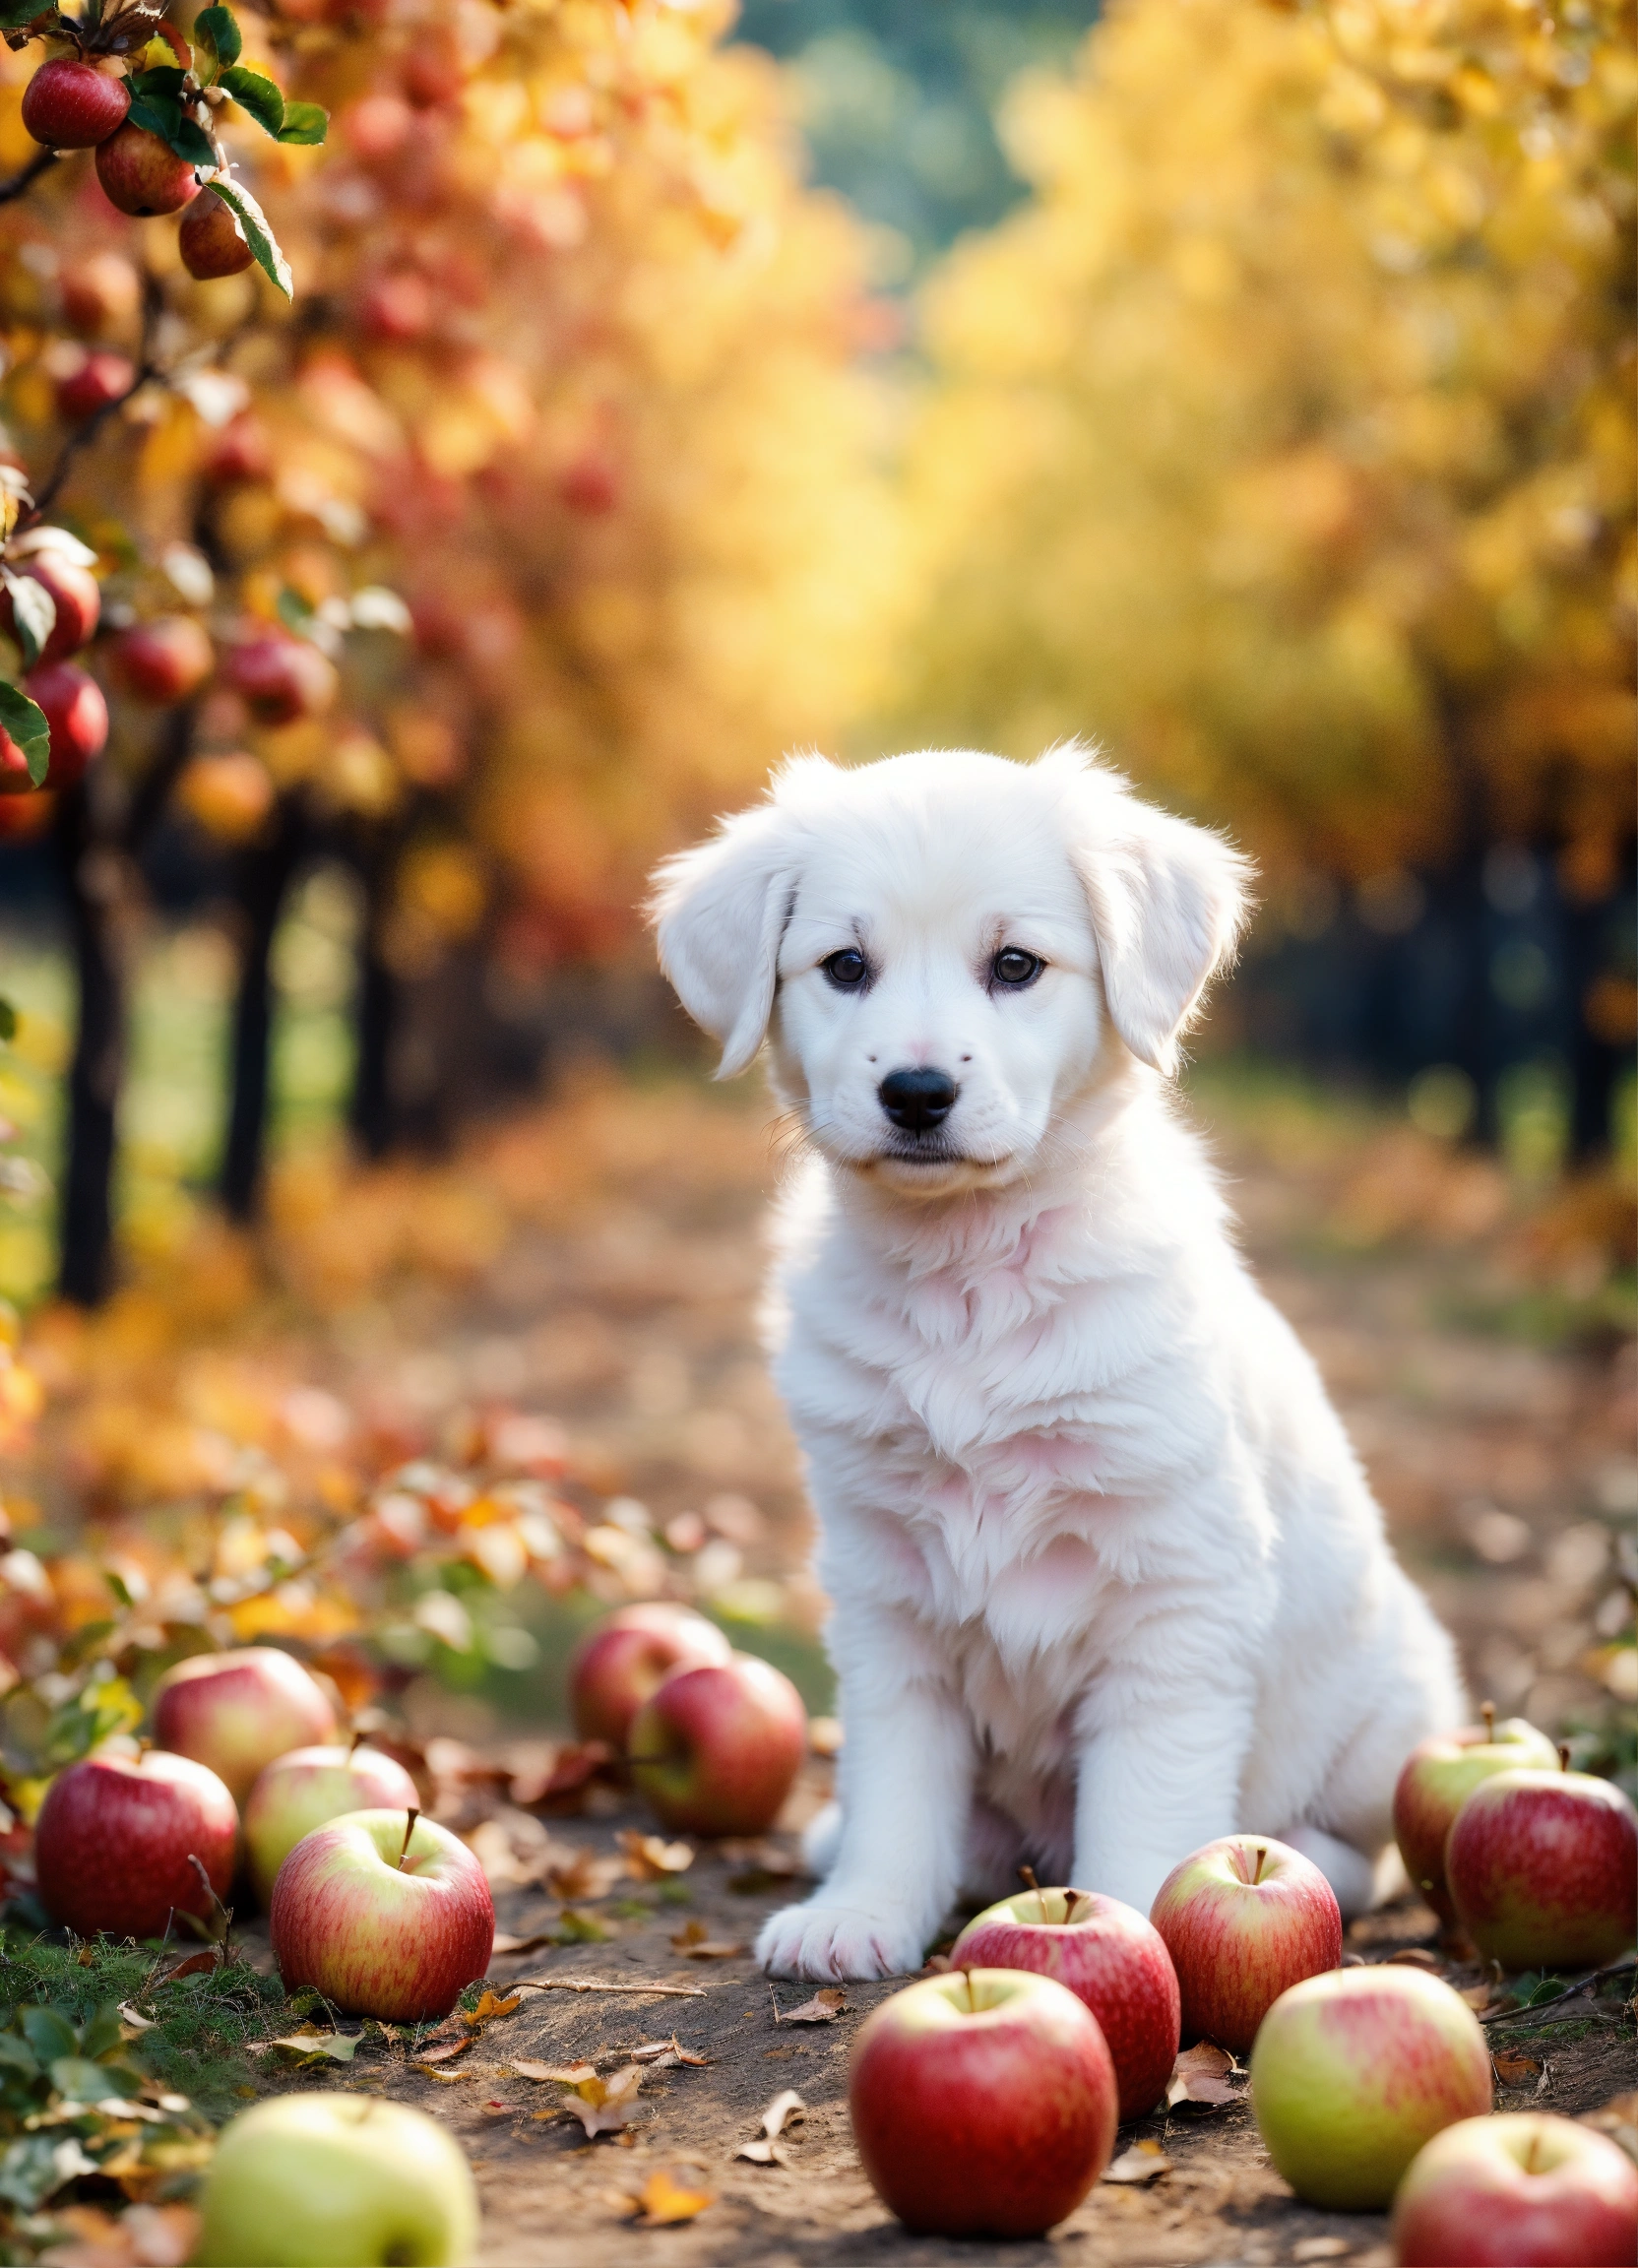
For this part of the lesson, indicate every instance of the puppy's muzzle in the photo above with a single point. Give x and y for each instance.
(918, 1099)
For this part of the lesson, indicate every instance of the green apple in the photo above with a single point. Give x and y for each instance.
(1438, 1778)
(337, 2181)
(1353, 2072)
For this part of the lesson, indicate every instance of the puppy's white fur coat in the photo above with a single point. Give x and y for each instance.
(1108, 1579)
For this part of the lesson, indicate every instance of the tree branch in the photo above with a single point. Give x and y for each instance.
(20, 183)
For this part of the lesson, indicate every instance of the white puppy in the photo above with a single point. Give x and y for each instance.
(1108, 1579)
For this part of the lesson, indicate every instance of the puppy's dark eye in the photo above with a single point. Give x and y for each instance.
(847, 970)
(1012, 966)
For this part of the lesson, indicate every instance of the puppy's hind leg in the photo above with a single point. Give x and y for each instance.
(1351, 1874)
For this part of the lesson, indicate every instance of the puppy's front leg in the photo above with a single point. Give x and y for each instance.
(1157, 1780)
(906, 1789)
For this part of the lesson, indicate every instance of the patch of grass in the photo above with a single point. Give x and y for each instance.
(202, 2025)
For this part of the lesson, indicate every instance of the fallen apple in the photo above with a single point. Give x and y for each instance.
(1109, 1957)
(116, 1838)
(1542, 1867)
(307, 1786)
(384, 1913)
(1525, 2190)
(313, 2180)
(1353, 2072)
(628, 1656)
(237, 1712)
(983, 2102)
(1245, 1918)
(1438, 1779)
(716, 1750)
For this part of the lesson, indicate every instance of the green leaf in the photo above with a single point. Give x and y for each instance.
(257, 234)
(81, 2081)
(26, 722)
(294, 610)
(31, 2170)
(48, 2031)
(118, 1586)
(216, 43)
(34, 615)
(8, 1019)
(191, 141)
(159, 114)
(304, 122)
(163, 80)
(256, 95)
(16, 13)
(101, 2032)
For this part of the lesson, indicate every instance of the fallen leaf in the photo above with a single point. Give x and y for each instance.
(444, 2078)
(1412, 1957)
(1201, 2074)
(1144, 2162)
(506, 1943)
(673, 2194)
(566, 2074)
(716, 1949)
(564, 1784)
(692, 1933)
(604, 2106)
(195, 1965)
(135, 2018)
(824, 2009)
(1322, 2248)
(1476, 1997)
(1513, 2068)
(445, 2050)
(664, 2055)
(783, 2107)
(649, 1856)
(312, 2044)
(584, 1873)
(490, 2005)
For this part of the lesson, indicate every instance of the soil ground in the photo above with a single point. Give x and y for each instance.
(623, 1302)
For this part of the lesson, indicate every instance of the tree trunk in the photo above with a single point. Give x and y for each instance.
(91, 876)
(371, 1114)
(265, 875)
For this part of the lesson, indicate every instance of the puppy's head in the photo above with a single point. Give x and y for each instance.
(946, 950)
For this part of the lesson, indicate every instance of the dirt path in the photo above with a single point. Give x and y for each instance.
(619, 1294)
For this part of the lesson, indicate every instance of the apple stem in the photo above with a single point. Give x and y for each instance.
(1488, 1713)
(1563, 1755)
(1262, 1858)
(409, 1818)
(358, 1739)
(1072, 1899)
(967, 1979)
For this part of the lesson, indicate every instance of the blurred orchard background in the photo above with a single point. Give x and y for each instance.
(1247, 386)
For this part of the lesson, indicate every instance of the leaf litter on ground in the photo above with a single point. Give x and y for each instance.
(1143, 2161)
(1204, 2075)
(696, 1943)
(673, 2194)
(824, 2009)
(779, 2115)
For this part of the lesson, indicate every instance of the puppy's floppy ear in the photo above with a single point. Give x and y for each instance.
(1167, 899)
(719, 911)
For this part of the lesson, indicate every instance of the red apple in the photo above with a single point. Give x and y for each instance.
(69, 104)
(1243, 1918)
(142, 175)
(241, 450)
(22, 817)
(281, 678)
(716, 1750)
(1109, 1957)
(114, 1840)
(74, 593)
(983, 2102)
(103, 377)
(211, 241)
(306, 1788)
(1438, 1779)
(1353, 2072)
(1525, 2190)
(237, 1712)
(629, 1655)
(1542, 1867)
(77, 714)
(166, 659)
(15, 778)
(590, 483)
(383, 1926)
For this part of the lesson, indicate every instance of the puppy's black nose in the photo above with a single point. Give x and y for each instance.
(917, 1100)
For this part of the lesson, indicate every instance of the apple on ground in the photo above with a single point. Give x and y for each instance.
(74, 593)
(1439, 1776)
(1245, 1918)
(983, 2102)
(312, 2180)
(143, 175)
(628, 1656)
(1525, 2190)
(1109, 1957)
(716, 1750)
(74, 708)
(69, 104)
(236, 1712)
(1353, 2072)
(166, 660)
(116, 1837)
(306, 1788)
(1542, 1867)
(386, 1914)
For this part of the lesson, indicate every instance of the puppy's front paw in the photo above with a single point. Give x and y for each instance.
(834, 1943)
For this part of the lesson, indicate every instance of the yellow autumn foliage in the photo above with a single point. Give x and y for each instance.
(1284, 437)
